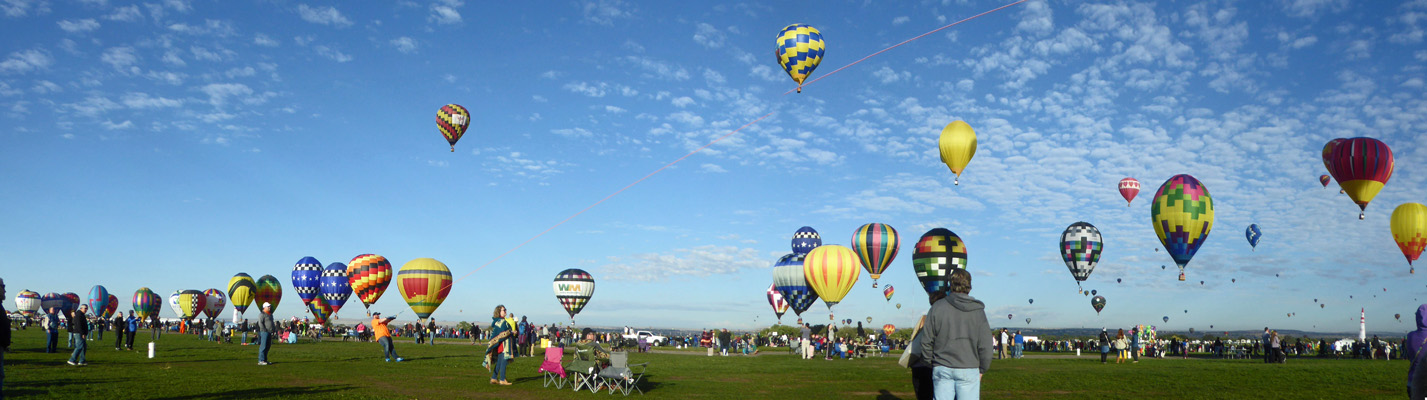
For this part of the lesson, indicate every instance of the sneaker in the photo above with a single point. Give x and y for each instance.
(388, 360)
(399, 359)
(71, 363)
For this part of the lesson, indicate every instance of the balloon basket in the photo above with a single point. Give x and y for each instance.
(1181, 277)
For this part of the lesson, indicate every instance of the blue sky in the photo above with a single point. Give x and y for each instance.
(173, 144)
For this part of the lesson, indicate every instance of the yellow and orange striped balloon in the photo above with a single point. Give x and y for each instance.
(831, 270)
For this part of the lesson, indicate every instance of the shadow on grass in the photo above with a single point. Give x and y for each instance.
(264, 392)
(29, 388)
(886, 395)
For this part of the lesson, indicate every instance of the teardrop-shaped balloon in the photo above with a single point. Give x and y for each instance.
(424, 284)
(269, 292)
(1098, 302)
(192, 303)
(369, 275)
(776, 301)
(1119, 280)
(1080, 248)
(1129, 188)
(573, 288)
(214, 301)
(1325, 179)
(876, 245)
(1253, 234)
(98, 299)
(1182, 215)
(1031, 301)
(888, 329)
(1409, 229)
(800, 49)
(241, 291)
(831, 270)
(938, 252)
(27, 303)
(1361, 165)
(806, 239)
(320, 310)
(336, 288)
(1166, 319)
(888, 292)
(113, 306)
(957, 145)
(1094, 292)
(146, 302)
(790, 281)
(306, 276)
(452, 120)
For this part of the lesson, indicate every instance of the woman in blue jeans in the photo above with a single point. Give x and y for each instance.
(502, 345)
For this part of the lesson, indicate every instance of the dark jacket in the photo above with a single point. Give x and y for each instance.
(4, 327)
(1416, 340)
(78, 323)
(958, 334)
(265, 323)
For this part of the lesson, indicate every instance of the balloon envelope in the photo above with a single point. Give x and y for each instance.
(1182, 215)
(806, 239)
(1324, 179)
(1409, 229)
(1098, 302)
(1362, 166)
(369, 275)
(800, 50)
(191, 303)
(336, 288)
(938, 252)
(305, 279)
(876, 245)
(775, 300)
(269, 291)
(241, 291)
(452, 120)
(424, 284)
(888, 292)
(53, 301)
(146, 302)
(213, 303)
(888, 329)
(957, 146)
(1129, 188)
(98, 300)
(831, 270)
(27, 302)
(320, 310)
(790, 281)
(1080, 248)
(112, 306)
(573, 288)
(1253, 234)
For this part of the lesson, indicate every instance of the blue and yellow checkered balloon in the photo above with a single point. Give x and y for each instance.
(800, 49)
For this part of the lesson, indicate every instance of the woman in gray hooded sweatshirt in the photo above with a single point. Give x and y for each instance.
(958, 341)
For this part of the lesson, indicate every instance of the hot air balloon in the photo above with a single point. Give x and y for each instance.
(888, 329)
(1080, 248)
(1409, 230)
(213, 303)
(368, 275)
(1201, 283)
(424, 284)
(71, 302)
(1031, 301)
(1321, 306)
(1129, 188)
(241, 290)
(831, 271)
(869, 320)
(938, 252)
(957, 145)
(191, 303)
(269, 291)
(320, 310)
(1118, 280)
(1361, 166)
(806, 239)
(1166, 319)
(800, 50)
(52, 301)
(1098, 302)
(98, 300)
(790, 281)
(899, 306)
(335, 286)
(888, 292)
(1094, 292)
(146, 302)
(1182, 215)
(173, 303)
(305, 279)
(1233, 280)
(1008, 316)
(1398, 316)
(1186, 311)
(1324, 179)
(1028, 321)
(876, 246)
(27, 303)
(111, 306)
(775, 300)
(1253, 234)
(452, 120)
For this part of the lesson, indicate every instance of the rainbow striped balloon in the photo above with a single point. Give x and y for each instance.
(369, 275)
(876, 245)
(269, 291)
(320, 310)
(831, 270)
(146, 302)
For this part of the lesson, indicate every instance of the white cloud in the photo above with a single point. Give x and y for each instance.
(79, 26)
(110, 125)
(323, 15)
(139, 100)
(605, 12)
(44, 87)
(171, 57)
(708, 36)
(901, 20)
(572, 132)
(682, 101)
(26, 61)
(404, 44)
(120, 57)
(696, 262)
(659, 69)
(444, 12)
(240, 72)
(519, 165)
(172, 78)
(592, 90)
(220, 93)
(334, 54)
(264, 40)
(714, 168)
(126, 14)
(887, 75)
(1312, 8)
(614, 110)
(20, 8)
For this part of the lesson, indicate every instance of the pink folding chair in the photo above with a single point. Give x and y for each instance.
(554, 373)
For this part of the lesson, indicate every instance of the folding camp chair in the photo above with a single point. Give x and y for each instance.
(583, 369)
(554, 373)
(620, 376)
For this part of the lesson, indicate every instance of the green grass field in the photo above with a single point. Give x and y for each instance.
(189, 368)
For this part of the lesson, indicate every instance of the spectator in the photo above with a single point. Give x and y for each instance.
(266, 329)
(79, 329)
(958, 341)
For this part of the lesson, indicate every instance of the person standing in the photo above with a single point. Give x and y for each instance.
(958, 341)
(1120, 346)
(118, 325)
(79, 329)
(806, 343)
(382, 332)
(51, 324)
(1020, 344)
(131, 328)
(1267, 355)
(501, 347)
(1104, 342)
(1416, 341)
(243, 327)
(724, 338)
(1275, 348)
(266, 328)
(1135, 344)
(431, 331)
(1005, 341)
(4, 337)
(920, 363)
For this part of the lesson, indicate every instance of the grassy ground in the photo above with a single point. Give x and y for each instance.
(189, 368)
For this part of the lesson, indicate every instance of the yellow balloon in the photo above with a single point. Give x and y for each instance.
(1409, 229)
(424, 284)
(831, 270)
(958, 145)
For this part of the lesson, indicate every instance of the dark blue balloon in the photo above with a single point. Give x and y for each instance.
(305, 276)
(1253, 235)
(805, 240)
(335, 286)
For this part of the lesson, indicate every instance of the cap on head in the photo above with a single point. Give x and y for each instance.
(267, 305)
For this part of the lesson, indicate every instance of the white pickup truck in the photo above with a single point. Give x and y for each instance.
(648, 337)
